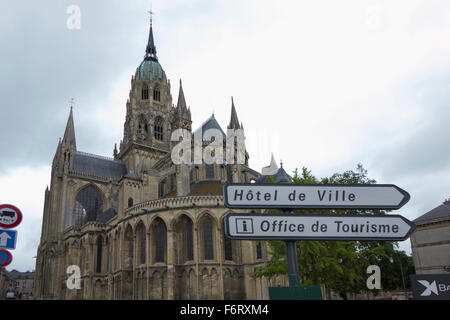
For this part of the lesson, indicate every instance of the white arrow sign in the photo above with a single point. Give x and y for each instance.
(4, 237)
(333, 196)
(316, 227)
(8, 239)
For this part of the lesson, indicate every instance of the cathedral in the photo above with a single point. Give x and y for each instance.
(137, 225)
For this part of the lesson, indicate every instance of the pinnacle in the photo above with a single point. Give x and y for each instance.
(69, 134)
(234, 122)
(181, 104)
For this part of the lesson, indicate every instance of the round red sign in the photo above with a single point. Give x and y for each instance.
(5, 258)
(10, 216)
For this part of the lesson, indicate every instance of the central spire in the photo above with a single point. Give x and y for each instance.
(150, 51)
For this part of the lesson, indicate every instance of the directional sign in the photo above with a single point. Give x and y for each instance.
(8, 239)
(5, 258)
(10, 216)
(315, 196)
(317, 227)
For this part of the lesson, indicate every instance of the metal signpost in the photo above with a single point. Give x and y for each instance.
(291, 227)
(10, 217)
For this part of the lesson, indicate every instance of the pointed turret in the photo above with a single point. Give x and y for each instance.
(115, 152)
(281, 176)
(181, 104)
(234, 122)
(150, 51)
(182, 116)
(69, 134)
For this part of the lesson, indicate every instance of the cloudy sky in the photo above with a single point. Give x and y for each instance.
(321, 84)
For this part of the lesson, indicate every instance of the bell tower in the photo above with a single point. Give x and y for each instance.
(149, 112)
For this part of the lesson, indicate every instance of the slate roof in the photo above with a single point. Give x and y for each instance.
(439, 213)
(107, 215)
(210, 123)
(98, 165)
(132, 175)
(280, 177)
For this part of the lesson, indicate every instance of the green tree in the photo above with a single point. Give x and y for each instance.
(339, 265)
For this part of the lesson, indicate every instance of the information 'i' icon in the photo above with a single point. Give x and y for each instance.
(244, 225)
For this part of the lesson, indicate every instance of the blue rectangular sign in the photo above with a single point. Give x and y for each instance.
(8, 239)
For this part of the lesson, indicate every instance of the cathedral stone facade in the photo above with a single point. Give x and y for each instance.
(137, 225)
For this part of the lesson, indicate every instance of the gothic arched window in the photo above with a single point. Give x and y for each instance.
(156, 94)
(228, 247)
(141, 243)
(162, 189)
(209, 168)
(130, 202)
(208, 244)
(159, 240)
(98, 268)
(259, 250)
(187, 240)
(109, 250)
(128, 248)
(88, 205)
(144, 92)
(158, 129)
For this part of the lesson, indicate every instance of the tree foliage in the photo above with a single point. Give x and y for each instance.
(339, 265)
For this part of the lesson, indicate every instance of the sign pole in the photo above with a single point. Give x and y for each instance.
(292, 264)
(291, 260)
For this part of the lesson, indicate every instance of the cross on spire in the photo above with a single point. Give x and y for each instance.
(151, 16)
(150, 51)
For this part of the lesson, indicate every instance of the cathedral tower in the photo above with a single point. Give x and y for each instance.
(149, 111)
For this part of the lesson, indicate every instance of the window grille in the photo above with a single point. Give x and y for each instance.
(160, 241)
(208, 239)
(88, 205)
(144, 92)
(158, 129)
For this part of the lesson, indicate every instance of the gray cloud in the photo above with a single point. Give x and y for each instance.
(47, 64)
(426, 148)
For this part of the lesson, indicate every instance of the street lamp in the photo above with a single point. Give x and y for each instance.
(391, 259)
